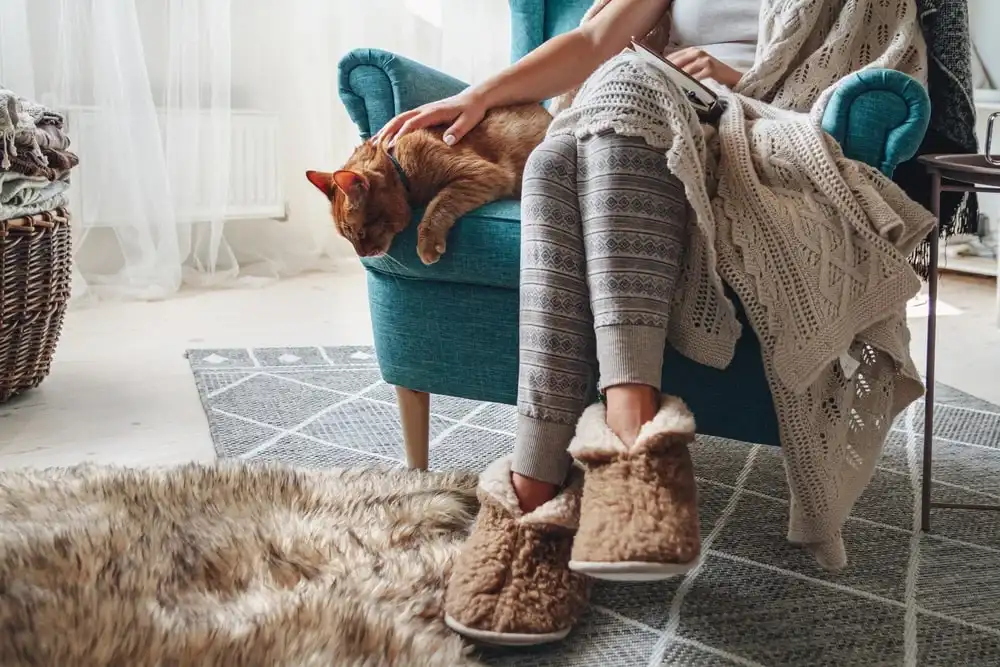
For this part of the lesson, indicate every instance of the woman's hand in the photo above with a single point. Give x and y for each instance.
(558, 65)
(701, 65)
(463, 111)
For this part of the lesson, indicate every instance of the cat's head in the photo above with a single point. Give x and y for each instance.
(367, 200)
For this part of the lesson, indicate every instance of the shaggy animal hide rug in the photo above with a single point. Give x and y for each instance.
(230, 565)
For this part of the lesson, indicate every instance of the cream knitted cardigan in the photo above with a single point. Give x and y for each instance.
(815, 245)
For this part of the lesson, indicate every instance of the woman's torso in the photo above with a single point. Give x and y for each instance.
(726, 29)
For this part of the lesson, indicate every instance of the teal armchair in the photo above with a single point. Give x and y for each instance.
(451, 328)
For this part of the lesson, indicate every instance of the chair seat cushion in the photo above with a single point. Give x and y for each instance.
(467, 304)
(484, 248)
(461, 340)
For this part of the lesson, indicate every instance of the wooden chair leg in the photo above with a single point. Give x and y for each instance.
(415, 413)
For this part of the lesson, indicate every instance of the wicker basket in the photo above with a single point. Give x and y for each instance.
(35, 257)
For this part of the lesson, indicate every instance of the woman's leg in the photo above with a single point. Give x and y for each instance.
(634, 215)
(603, 234)
(514, 580)
(556, 378)
(639, 511)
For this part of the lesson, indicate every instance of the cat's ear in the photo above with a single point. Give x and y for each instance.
(322, 180)
(351, 183)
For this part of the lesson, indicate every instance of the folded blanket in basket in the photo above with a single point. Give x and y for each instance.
(52, 164)
(52, 203)
(22, 195)
(31, 138)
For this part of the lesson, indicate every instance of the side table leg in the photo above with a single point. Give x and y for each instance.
(932, 290)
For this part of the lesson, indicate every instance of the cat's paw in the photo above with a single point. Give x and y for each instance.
(430, 246)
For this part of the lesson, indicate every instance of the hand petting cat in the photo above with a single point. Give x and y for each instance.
(460, 112)
(560, 64)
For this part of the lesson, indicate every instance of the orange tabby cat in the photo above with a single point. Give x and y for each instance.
(373, 198)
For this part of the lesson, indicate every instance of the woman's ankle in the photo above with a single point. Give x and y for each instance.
(532, 493)
(629, 406)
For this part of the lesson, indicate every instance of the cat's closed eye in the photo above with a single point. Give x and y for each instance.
(348, 232)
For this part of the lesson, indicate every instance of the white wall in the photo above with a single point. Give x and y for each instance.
(984, 25)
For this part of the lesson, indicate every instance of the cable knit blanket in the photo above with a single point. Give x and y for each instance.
(815, 245)
(34, 160)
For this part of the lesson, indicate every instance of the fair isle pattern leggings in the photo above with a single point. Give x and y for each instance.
(603, 230)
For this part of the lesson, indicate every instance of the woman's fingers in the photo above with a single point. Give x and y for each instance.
(695, 67)
(409, 125)
(404, 129)
(393, 125)
(685, 56)
(700, 72)
(425, 118)
(390, 128)
(701, 65)
(460, 115)
(694, 62)
(461, 127)
(699, 68)
(413, 123)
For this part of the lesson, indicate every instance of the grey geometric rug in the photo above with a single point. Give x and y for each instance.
(905, 599)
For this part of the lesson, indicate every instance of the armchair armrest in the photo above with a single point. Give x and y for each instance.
(376, 85)
(878, 116)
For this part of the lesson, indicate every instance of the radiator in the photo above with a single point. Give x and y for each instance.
(255, 181)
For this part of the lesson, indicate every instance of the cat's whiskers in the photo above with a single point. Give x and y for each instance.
(395, 263)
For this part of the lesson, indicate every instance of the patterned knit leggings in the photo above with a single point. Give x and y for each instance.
(603, 230)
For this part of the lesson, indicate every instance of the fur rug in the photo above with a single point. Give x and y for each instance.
(239, 565)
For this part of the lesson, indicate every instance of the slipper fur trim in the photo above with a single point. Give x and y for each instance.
(595, 442)
(674, 419)
(563, 510)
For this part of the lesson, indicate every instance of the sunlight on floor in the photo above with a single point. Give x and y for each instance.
(917, 308)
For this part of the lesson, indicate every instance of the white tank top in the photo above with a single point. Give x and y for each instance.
(726, 29)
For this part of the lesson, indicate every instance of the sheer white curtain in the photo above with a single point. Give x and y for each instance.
(151, 87)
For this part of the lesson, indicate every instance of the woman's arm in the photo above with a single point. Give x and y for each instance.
(567, 60)
(556, 66)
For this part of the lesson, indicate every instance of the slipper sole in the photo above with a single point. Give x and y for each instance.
(504, 638)
(632, 570)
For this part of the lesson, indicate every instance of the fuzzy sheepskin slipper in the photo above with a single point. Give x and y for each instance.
(639, 514)
(511, 584)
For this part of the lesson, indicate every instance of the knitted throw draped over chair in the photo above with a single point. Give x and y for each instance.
(814, 245)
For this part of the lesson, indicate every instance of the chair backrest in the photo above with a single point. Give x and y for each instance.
(535, 21)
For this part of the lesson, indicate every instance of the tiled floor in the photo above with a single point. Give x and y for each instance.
(121, 390)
